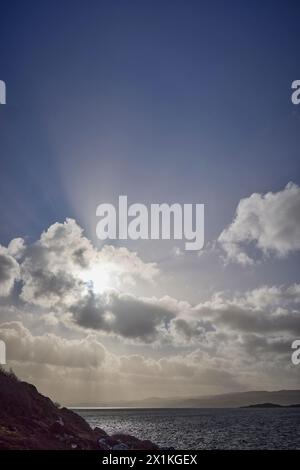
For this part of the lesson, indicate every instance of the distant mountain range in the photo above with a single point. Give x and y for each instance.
(228, 400)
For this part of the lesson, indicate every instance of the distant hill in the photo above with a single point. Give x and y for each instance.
(264, 405)
(228, 400)
(238, 399)
(271, 405)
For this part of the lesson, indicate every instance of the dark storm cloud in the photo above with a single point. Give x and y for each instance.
(122, 314)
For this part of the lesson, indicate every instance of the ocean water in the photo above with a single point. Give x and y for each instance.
(204, 428)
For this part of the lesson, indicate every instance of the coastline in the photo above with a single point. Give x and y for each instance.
(31, 421)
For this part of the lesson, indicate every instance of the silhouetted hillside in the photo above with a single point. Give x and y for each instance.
(29, 420)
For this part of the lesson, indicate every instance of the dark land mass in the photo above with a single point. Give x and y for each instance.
(271, 405)
(29, 420)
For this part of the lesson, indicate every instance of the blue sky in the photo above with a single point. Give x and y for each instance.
(192, 98)
(164, 101)
(161, 101)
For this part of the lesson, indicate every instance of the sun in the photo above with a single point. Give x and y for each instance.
(98, 278)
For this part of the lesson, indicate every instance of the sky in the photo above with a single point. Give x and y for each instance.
(162, 101)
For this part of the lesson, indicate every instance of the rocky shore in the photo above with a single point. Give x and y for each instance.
(29, 420)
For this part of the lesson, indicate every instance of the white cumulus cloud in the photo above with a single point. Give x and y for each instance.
(270, 222)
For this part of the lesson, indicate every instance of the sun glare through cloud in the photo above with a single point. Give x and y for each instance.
(99, 278)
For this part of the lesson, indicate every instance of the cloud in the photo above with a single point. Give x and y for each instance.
(224, 344)
(16, 247)
(57, 268)
(84, 371)
(266, 310)
(128, 264)
(46, 288)
(51, 349)
(77, 333)
(9, 271)
(121, 314)
(270, 222)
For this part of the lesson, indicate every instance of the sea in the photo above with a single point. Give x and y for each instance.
(194, 428)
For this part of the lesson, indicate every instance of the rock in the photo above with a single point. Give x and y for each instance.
(99, 432)
(30, 420)
(120, 446)
(56, 428)
(103, 445)
(135, 443)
